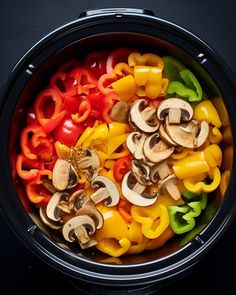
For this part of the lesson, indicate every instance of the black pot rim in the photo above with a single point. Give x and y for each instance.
(80, 267)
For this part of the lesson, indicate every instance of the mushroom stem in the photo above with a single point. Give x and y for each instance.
(174, 115)
(100, 195)
(82, 234)
(169, 184)
(162, 169)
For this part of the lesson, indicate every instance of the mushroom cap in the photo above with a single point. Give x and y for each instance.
(175, 103)
(52, 210)
(164, 136)
(133, 197)
(160, 170)
(134, 142)
(189, 135)
(46, 220)
(156, 151)
(94, 213)
(110, 191)
(79, 199)
(141, 120)
(69, 227)
(64, 175)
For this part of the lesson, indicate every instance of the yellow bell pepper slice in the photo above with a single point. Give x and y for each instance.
(138, 241)
(122, 154)
(213, 155)
(147, 59)
(197, 187)
(125, 87)
(191, 165)
(205, 110)
(117, 128)
(154, 219)
(115, 142)
(101, 132)
(225, 177)
(215, 135)
(109, 164)
(180, 155)
(87, 132)
(113, 247)
(62, 150)
(122, 69)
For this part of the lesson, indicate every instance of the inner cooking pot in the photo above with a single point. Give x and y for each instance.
(93, 31)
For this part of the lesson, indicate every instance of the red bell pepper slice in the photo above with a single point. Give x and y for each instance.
(116, 56)
(121, 166)
(25, 139)
(84, 112)
(49, 99)
(36, 191)
(67, 132)
(95, 62)
(105, 81)
(85, 80)
(155, 102)
(27, 169)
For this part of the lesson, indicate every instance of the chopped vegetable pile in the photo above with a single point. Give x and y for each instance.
(121, 151)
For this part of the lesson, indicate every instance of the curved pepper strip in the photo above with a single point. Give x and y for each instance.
(154, 219)
(199, 186)
(105, 82)
(46, 98)
(27, 169)
(112, 239)
(62, 150)
(190, 89)
(136, 238)
(147, 59)
(182, 218)
(25, 141)
(205, 111)
(35, 190)
(172, 68)
(122, 69)
(84, 111)
(125, 87)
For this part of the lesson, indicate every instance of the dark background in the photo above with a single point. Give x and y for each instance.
(23, 23)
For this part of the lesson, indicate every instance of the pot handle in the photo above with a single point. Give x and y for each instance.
(116, 11)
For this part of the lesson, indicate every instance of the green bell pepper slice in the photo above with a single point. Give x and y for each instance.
(172, 68)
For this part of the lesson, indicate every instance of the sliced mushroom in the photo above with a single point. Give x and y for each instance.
(190, 135)
(93, 213)
(64, 207)
(177, 110)
(78, 200)
(107, 190)
(134, 142)
(141, 172)
(52, 210)
(91, 243)
(145, 120)
(169, 184)
(119, 111)
(87, 161)
(156, 150)
(47, 221)
(72, 228)
(160, 170)
(165, 137)
(47, 183)
(64, 175)
(134, 197)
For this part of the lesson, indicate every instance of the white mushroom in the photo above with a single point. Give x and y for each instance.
(119, 111)
(160, 170)
(78, 200)
(64, 175)
(107, 190)
(52, 210)
(92, 212)
(143, 119)
(177, 110)
(78, 227)
(141, 172)
(165, 137)
(169, 184)
(190, 135)
(134, 197)
(47, 221)
(156, 150)
(134, 142)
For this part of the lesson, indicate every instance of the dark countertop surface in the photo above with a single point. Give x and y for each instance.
(22, 24)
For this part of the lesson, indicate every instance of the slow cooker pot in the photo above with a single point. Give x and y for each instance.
(100, 29)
